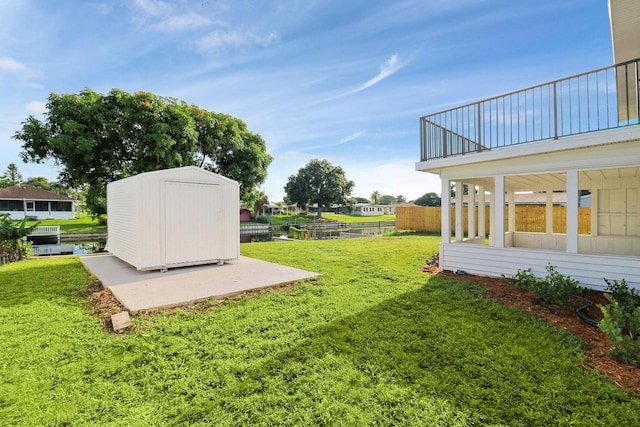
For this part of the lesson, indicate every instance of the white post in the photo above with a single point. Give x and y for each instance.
(498, 212)
(549, 211)
(459, 211)
(445, 211)
(594, 212)
(471, 206)
(572, 211)
(511, 196)
(481, 213)
(492, 218)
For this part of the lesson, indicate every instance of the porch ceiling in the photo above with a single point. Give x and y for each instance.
(555, 181)
(624, 16)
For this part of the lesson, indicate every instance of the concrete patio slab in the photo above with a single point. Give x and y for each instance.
(140, 290)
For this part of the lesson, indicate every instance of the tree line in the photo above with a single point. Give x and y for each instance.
(99, 138)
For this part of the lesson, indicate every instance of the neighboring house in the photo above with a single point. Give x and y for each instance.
(24, 200)
(574, 134)
(366, 209)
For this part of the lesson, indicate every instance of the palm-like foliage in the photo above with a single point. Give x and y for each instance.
(11, 247)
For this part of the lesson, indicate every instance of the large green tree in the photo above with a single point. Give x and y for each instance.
(318, 182)
(428, 199)
(97, 139)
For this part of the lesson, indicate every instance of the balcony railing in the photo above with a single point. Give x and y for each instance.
(605, 98)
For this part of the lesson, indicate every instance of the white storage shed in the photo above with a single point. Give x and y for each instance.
(174, 218)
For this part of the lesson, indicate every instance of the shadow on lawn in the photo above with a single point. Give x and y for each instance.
(443, 355)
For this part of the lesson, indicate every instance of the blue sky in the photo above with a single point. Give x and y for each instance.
(341, 80)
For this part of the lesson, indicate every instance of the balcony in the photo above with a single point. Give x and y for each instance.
(602, 99)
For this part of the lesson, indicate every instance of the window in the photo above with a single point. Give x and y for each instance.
(42, 206)
(61, 206)
(11, 205)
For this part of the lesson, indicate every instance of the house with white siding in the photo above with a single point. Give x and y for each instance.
(578, 135)
(22, 201)
(366, 209)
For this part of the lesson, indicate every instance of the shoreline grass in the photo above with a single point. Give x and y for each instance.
(373, 341)
(83, 223)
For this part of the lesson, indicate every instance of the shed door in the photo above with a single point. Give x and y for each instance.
(193, 222)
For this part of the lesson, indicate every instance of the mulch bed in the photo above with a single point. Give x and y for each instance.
(597, 351)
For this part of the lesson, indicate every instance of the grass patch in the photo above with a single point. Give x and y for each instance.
(82, 224)
(290, 219)
(372, 342)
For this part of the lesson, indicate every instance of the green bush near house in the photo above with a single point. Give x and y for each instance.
(372, 342)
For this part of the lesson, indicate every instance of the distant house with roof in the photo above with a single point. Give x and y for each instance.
(22, 201)
(366, 209)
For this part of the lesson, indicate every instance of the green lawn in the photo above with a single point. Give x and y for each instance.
(82, 224)
(373, 342)
(355, 218)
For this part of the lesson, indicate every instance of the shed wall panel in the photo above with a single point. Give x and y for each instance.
(174, 217)
(122, 211)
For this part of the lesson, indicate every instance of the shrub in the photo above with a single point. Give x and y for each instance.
(523, 279)
(12, 245)
(555, 288)
(621, 325)
(625, 296)
(263, 219)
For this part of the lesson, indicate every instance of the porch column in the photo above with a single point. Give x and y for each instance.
(459, 211)
(445, 211)
(481, 212)
(492, 218)
(594, 212)
(511, 199)
(572, 211)
(471, 226)
(549, 211)
(498, 212)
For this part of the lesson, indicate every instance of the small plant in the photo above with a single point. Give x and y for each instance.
(555, 288)
(433, 258)
(625, 296)
(522, 279)
(621, 325)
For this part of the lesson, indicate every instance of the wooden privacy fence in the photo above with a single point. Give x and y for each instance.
(528, 219)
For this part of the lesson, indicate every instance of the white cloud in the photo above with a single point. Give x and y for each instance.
(351, 137)
(223, 40)
(389, 68)
(188, 21)
(344, 140)
(10, 64)
(37, 107)
(153, 7)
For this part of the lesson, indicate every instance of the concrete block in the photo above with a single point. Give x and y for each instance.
(120, 321)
